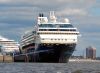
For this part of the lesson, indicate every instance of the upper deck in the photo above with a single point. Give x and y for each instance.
(52, 20)
(55, 25)
(52, 24)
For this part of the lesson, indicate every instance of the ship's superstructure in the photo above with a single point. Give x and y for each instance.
(50, 40)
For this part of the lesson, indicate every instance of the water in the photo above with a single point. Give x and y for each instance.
(71, 67)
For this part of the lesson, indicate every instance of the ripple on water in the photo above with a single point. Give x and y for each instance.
(71, 67)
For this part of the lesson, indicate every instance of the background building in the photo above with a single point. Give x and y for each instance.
(91, 53)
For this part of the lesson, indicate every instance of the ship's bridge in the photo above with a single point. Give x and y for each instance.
(56, 27)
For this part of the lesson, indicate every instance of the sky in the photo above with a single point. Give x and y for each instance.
(18, 16)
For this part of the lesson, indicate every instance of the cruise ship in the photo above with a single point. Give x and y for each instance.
(8, 46)
(50, 40)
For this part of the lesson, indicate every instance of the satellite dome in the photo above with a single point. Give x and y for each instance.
(66, 20)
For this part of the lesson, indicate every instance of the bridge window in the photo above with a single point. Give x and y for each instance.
(57, 25)
(66, 25)
(46, 25)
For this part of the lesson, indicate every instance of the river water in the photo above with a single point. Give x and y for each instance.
(71, 67)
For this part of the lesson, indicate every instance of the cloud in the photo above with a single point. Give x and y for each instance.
(54, 3)
(74, 11)
(14, 31)
(68, 7)
(5, 1)
(17, 10)
(11, 1)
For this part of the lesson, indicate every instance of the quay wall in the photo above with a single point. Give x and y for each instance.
(4, 58)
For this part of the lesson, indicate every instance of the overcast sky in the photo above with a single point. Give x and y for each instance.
(17, 16)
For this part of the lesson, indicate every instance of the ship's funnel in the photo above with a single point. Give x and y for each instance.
(42, 19)
(41, 15)
(52, 17)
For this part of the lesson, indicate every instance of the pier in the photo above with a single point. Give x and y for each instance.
(7, 59)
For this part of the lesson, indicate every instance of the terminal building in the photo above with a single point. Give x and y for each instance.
(8, 46)
(91, 53)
